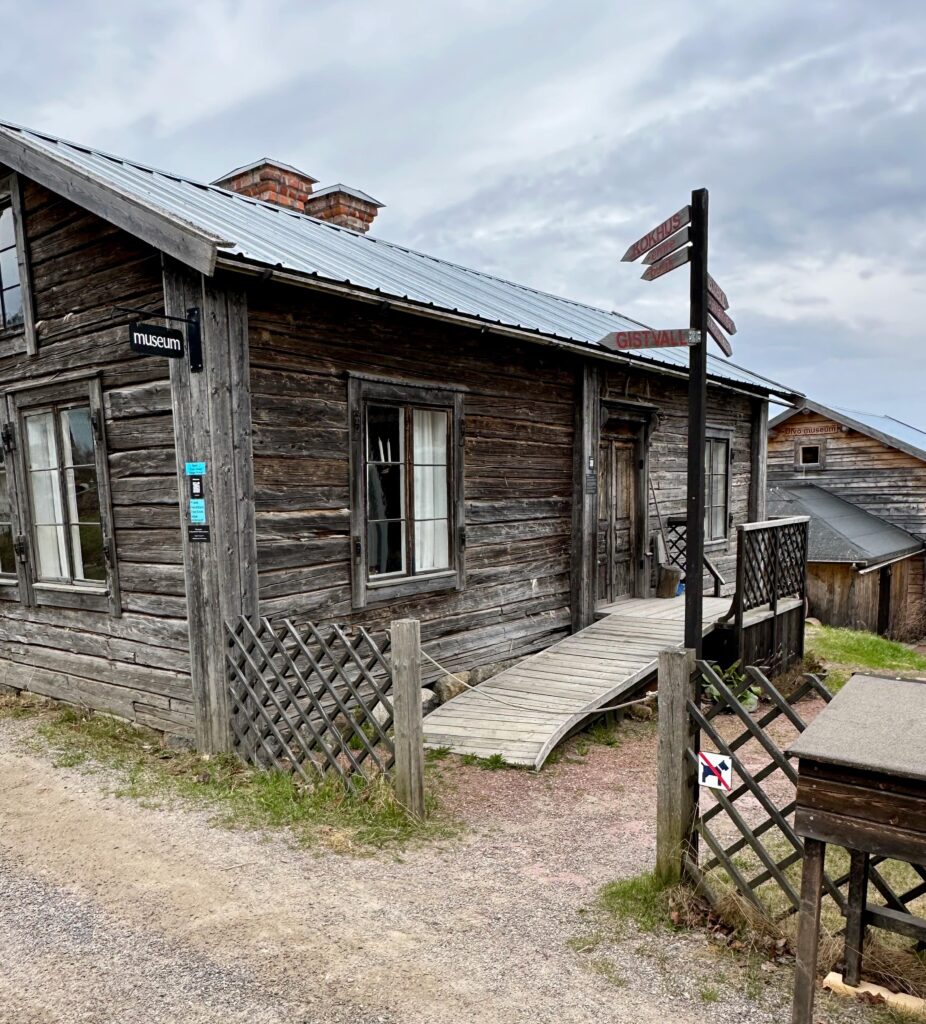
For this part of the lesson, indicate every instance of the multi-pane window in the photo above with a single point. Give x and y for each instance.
(7, 554)
(408, 520)
(64, 494)
(11, 292)
(717, 496)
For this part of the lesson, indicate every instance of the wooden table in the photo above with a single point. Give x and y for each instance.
(862, 786)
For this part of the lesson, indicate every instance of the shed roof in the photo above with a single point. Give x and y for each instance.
(201, 224)
(840, 531)
(883, 428)
(861, 725)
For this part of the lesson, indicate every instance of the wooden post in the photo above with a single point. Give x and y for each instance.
(406, 696)
(808, 934)
(584, 562)
(676, 793)
(855, 916)
(758, 481)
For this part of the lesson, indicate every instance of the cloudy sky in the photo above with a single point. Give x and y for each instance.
(536, 139)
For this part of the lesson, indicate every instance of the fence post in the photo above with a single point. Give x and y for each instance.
(406, 695)
(676, 793)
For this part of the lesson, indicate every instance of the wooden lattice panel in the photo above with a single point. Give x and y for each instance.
(310, 699)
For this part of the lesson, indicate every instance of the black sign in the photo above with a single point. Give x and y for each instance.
(196, 487)
(198, 534)
(152, 340)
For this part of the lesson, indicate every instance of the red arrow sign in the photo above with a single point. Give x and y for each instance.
(718, 336)
(672, 243)
(725, 322)
(657, 235)
(717, 292)
(677, 259)
(624, 340)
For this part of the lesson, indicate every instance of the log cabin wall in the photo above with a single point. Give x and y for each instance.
(880, 479)
(135, 665)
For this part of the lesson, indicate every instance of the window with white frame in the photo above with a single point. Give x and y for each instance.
(407, 498)
(59, 483)
(717, 496)
(11, 291)
(7, 550)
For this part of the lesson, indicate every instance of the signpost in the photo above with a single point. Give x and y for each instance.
(681, 239)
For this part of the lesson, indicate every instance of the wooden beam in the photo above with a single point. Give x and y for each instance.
(212, 424)
(583, 563)
(169, 234)
(758, 454)
(409, 741)
(805, 970)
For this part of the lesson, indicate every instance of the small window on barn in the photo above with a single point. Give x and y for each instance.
(810, 455)
(15, 296)
(717, 483)
(66, 503)
(7, 551)
(407, 508)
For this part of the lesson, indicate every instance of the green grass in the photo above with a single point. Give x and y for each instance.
(602, 734)
(325, 813)
(643, 899)
(492, 763)
(849, 648)
(709, 994)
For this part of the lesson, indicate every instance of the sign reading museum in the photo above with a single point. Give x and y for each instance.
(151, 340)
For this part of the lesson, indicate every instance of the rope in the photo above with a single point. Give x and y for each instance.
(529, 707)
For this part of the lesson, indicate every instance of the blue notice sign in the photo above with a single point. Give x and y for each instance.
(196, 469)
(197, 510)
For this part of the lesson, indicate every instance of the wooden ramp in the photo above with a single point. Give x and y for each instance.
(523, 712)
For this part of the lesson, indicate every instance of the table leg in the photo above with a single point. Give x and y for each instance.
(855, 916)
(808, 934)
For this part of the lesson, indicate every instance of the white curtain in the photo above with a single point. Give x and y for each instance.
(429, 438)
(51, 547)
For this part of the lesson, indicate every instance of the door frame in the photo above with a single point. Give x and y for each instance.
(641, 418)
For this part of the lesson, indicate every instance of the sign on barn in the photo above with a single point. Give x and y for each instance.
(153, 340)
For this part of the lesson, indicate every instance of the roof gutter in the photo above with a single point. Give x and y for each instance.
(889, 561)
(315, 283)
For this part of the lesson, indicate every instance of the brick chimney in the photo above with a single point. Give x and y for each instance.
(291, 188)
(271, 181)
(344, 206)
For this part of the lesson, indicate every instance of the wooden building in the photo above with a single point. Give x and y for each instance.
(373, 433)
(862, 479)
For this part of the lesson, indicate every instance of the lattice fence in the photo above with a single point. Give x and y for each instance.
(771, 562)
(746, 834)
(311, 699)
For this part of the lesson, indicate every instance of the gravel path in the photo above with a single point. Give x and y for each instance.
(112, 911)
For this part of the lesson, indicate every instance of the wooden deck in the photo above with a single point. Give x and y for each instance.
(523, 712)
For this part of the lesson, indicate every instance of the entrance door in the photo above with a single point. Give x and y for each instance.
(617, 533)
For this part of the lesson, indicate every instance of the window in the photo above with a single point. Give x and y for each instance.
(717, 484)
(17, 324)
(407, 493)
(56, 437)
(809, 455)
(7, 551)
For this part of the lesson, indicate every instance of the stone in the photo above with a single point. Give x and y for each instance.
(380, 714)
(429, 701)
(446, 688)
(642, 712)
(812, 621)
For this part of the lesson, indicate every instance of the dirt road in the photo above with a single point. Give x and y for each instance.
(111, 911)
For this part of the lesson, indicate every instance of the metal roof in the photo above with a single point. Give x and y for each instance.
(250, 231)
(883, 428)
(840, 531)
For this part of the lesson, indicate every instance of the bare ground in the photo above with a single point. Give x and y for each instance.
(113, 911)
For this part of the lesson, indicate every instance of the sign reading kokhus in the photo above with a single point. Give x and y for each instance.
(151, 340)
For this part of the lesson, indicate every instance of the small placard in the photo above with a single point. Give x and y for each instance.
(591, 483)
(153, 340)
(198, 534)
(715, 771)
(196, 487)
(196, 469)
(197, 510)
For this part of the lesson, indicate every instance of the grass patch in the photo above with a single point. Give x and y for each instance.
(492, 763)
(240, 797)
(854, 649)
(644, 899)
(709, 994)
(602, 734)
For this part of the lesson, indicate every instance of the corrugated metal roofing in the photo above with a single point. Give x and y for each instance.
(904, 432)
(840, 531)
(258, 232)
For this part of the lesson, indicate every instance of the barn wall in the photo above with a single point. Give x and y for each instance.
(839, 596)
(136, 665)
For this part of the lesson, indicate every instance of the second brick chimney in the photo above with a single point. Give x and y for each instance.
(275, 182)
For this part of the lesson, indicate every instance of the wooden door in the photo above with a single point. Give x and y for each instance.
(616, 519)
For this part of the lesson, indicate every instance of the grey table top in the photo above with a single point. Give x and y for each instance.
(873, 723)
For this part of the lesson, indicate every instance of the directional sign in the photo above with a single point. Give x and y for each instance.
(677, 259)
(672, 243)
(718, 336)
(718, 314)
(624, 340)
(715, 771)
(717, 292)
(657, 235)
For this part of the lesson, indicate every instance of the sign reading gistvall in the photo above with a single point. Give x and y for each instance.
(625, 340)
